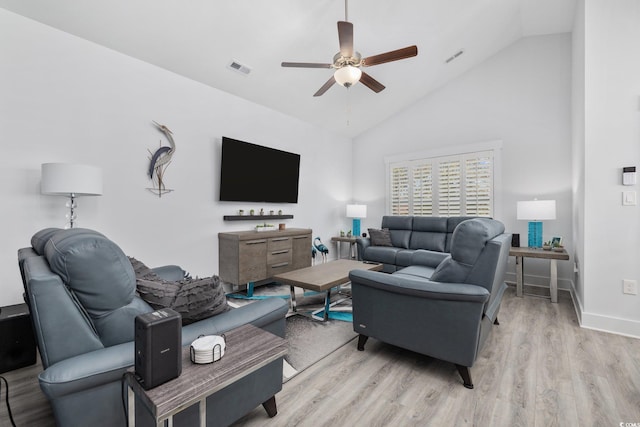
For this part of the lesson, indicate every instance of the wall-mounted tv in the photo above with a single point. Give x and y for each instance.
(253, 173)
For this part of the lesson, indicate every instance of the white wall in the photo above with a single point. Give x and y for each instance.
(520, 96)
(64, 99)
(611, 141)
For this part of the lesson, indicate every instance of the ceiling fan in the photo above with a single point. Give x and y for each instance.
(348, 62)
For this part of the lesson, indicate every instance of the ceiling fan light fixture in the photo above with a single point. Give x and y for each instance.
(348, 75)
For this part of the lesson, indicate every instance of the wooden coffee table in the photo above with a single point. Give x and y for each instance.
(323, 278)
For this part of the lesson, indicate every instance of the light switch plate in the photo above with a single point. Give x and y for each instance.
(629, 198)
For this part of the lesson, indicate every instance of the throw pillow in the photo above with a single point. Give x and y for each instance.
(380, 237)
(194, 299)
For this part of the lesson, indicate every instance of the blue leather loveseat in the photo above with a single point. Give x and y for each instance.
(423, 240)
(81, 288)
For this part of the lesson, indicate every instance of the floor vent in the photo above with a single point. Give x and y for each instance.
(236, 66)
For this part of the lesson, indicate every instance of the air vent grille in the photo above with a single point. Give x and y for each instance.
(238, 67)
(454, 56)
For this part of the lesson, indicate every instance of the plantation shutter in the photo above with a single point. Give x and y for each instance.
(479, 184)
(456, 185)
(400, 190)
(449, 187)
(422, 190)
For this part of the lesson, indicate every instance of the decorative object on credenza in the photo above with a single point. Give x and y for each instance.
(240, 212)
(251, 212)
(536, 211)
(159, 161)
(71, 180)
(320, 247)
(265, 227)
(356, 212)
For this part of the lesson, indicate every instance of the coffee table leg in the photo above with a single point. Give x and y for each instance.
(327, 304)
(293, 299)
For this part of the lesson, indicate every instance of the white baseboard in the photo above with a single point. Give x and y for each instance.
(599, 322)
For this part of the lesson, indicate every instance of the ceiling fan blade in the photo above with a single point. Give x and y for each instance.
(345, 36)
(305, 65)
(371, 83)
(325, 86)
(394, 55)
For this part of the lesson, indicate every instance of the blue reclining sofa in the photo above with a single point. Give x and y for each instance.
(80, 287)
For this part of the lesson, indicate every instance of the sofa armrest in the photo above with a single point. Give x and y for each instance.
(268, 314)
(171, 273)
(363, 243)
(421, 288)
(87, 370)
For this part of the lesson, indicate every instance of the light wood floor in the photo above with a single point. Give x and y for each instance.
(538, 368)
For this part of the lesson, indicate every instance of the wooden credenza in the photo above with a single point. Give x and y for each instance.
(251, 256)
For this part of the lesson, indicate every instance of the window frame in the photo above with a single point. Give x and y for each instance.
(437, 155)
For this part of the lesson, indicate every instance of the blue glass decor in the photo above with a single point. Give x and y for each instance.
(535, 234)
(356, 227)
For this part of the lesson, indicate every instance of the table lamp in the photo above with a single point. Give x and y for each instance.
(356, 212)
(71, 180)
(536, 211)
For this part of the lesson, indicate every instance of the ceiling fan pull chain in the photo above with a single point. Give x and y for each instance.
(348, 108)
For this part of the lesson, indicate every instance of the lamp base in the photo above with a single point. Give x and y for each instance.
(535, 234)
(355, 232)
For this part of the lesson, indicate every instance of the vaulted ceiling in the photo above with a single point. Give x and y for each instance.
(200, 38)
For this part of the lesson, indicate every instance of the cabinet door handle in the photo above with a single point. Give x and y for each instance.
(282, 264)
(255, 242)
(301, 237)
(279, 239)
(280, 252)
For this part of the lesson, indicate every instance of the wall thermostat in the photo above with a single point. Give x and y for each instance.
(629, 175)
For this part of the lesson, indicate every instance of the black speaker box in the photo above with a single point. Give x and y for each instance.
(17, 344)
(515, 240)
(158, 347)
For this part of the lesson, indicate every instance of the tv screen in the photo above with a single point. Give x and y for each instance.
(253, 173)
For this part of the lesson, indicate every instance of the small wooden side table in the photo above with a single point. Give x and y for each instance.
(248, 349)
(352, 245)
(553, 256)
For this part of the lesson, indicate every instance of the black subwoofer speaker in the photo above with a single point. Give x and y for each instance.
(158, 347)
(17, 344)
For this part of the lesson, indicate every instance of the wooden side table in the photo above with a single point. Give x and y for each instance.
(352, 245)
(248, 349)
(552, 256)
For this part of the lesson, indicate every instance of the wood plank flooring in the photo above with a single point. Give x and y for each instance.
(538, 368)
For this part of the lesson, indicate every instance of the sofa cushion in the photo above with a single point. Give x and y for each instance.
(467, 243)
(452, 223)
(416, 272)
(380, 237)
(93, 267)
(400, 228)
(381, 254)
(40, 239)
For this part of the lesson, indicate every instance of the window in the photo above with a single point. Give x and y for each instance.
(443, 186)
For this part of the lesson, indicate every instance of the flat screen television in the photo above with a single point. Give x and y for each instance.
(253, 173)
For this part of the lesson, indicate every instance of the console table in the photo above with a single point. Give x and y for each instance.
(246, 257)
(552, 256)
(352, 245)
(248, 349)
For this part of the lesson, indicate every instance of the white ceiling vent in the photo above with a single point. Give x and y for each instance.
(454, 56)
(240, 68)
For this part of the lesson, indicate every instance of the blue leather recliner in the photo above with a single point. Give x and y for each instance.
(446, 311)
(80, 287)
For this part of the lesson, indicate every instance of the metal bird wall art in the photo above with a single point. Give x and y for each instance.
(159, 161)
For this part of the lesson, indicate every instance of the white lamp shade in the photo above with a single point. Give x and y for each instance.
(356, 211)
(347, 76)
(65, 179)
(536, 210)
